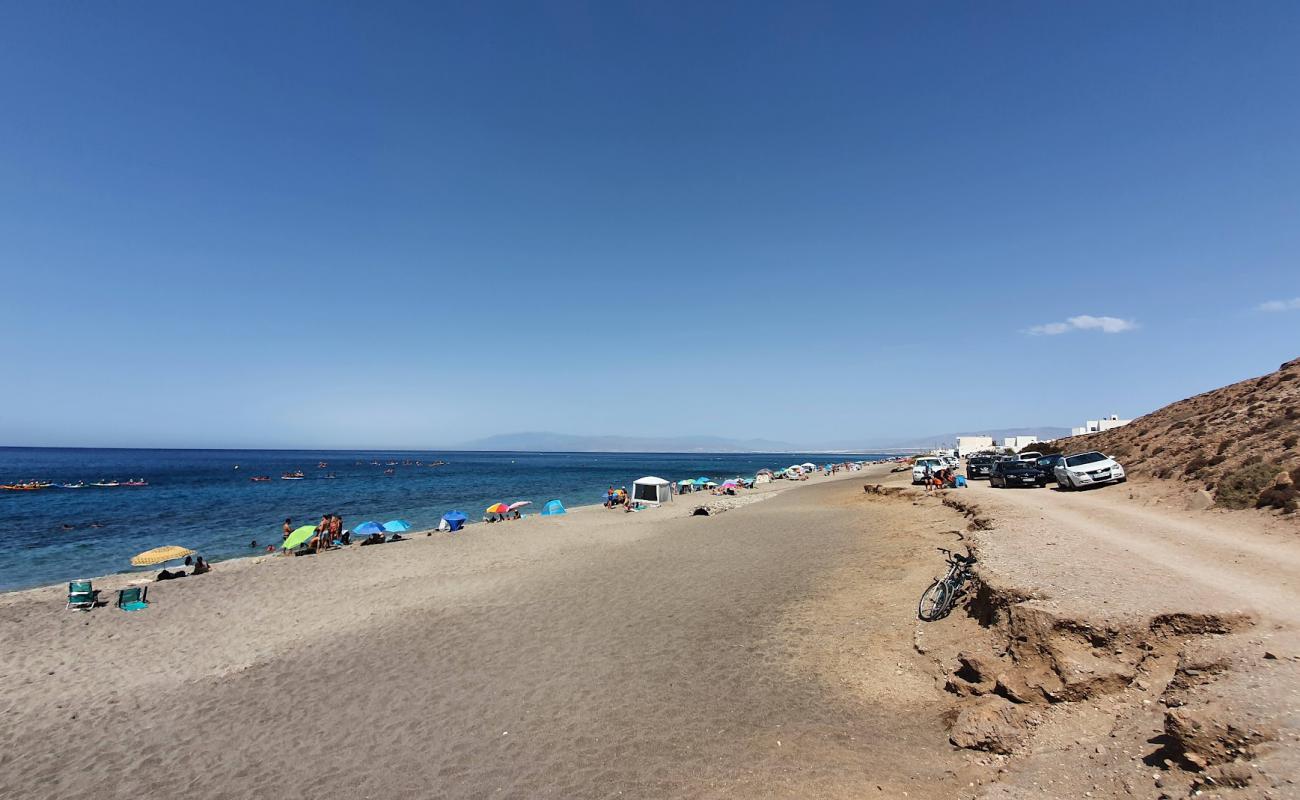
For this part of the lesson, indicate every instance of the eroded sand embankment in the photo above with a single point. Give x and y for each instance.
(1125, 652)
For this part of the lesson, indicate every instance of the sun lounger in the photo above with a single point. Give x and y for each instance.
(133, 599)
(81, 595)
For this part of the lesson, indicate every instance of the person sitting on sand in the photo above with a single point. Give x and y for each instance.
(374, 538)
(200, 566)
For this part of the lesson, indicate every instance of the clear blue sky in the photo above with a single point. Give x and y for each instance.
(403, 225)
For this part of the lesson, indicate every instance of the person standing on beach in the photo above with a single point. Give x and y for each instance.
(288, 528)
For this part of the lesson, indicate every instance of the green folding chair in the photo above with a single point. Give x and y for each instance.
(81, 595)
(133, 599)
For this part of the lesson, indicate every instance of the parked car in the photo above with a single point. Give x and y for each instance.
(1047, 466)
(934, 463)
(1088, 469)
(1029, 455)
(979, 467)
(1014, 472)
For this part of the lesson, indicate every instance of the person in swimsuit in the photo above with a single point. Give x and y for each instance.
(288, 528)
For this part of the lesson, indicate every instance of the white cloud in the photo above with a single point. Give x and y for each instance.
(1281, 305)
(1084, 322)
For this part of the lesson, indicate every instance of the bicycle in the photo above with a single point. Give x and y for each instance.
(941, 597)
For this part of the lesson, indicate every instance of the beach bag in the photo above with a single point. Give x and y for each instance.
(961, 481)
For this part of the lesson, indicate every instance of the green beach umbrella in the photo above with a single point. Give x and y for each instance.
(299, 536)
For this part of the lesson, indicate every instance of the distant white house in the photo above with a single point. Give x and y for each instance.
(1018, 443)
(973, 444)
(1099, 425)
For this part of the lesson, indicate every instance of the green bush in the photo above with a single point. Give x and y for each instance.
(1241, 489)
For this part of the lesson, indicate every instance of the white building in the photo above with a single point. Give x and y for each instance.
(1099, 425)
(973, 444)
(1018, 443)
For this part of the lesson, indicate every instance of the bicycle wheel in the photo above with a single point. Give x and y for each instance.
(934, 601)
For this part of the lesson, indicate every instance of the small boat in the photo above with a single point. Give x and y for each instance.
(106, 484)
(388, 472)
(292, 476)
(322, 465)
(437, 463)
(136, 482)
(21, 487)
(77, 485)
(260, 478)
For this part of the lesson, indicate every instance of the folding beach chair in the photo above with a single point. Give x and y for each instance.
(81, 595)
(133, 599)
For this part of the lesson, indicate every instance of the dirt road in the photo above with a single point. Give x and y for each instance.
(1139, 558)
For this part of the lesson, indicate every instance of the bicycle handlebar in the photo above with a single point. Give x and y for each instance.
(968, 558)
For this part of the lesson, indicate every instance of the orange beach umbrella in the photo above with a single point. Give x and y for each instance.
(498, 508)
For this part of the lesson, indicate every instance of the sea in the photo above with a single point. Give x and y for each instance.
(205, 500)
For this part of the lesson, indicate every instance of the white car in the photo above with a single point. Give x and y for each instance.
(1087, 469)
(935, 463)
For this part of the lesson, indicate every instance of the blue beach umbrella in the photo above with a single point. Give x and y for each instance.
(367, 528)
(397, 526)
(702, 481)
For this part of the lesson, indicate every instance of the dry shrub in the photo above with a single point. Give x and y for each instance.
(1284, 498)
(1290, 441)
(1241, 489)
(1198, 463)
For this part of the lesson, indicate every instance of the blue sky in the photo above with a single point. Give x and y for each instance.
(409, 225)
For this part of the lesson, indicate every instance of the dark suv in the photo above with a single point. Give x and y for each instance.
(978, 467)
(1047, 466)
(1014, 472)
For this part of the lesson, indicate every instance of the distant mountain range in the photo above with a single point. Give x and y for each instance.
(570, 443)
(1043, 432)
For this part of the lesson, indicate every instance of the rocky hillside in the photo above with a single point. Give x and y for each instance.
(1241, 442)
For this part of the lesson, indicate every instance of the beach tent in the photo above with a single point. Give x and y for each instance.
(651, 490)
(552, 508)
(453, 521)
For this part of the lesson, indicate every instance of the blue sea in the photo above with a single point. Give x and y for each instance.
(205, 500)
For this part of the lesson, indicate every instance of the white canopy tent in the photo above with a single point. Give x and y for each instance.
(651, 491)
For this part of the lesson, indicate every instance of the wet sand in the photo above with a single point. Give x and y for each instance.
(763, 652)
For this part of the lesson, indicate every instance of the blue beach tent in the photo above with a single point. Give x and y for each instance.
(552, 508)
(455, 520)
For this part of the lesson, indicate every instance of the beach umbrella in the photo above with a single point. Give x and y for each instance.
(687, 482)
(158, 555)
(299, 536)
(729, 483)
(498, 508)
(520, 504)
(701, 481)
(367, 528)
(397, 526)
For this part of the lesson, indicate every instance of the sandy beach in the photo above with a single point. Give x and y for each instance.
(765, 651)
